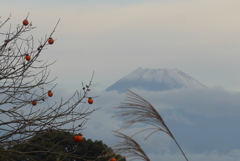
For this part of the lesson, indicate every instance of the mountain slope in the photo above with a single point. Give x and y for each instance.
(155, 80)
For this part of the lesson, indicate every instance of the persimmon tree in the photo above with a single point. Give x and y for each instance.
(25, 106)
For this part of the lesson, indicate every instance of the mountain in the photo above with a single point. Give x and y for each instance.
(155, 80)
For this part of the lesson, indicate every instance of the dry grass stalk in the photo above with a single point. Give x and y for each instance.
(138, 110)
(130, 148)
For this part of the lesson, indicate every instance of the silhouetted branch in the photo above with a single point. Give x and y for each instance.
(25, 106)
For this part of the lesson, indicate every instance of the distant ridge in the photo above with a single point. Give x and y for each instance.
(155, 80)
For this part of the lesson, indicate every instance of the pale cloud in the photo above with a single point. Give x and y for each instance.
(196, 117)
(206, 101)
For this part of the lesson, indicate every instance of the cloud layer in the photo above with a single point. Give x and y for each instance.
(202, 120)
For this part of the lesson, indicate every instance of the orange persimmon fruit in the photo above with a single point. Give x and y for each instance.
(90, 100)
(78, 138)
(28, 57)
(25, 22)
(113, 159)
(34, 103)
(50, 41)
(50, 93)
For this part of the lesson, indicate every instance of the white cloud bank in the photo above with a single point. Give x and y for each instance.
(204, 121)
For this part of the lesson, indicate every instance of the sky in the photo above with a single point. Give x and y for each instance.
(115, 37)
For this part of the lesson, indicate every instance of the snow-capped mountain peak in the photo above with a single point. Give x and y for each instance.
(156, 80)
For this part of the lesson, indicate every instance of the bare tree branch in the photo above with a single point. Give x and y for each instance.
(23, 82)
